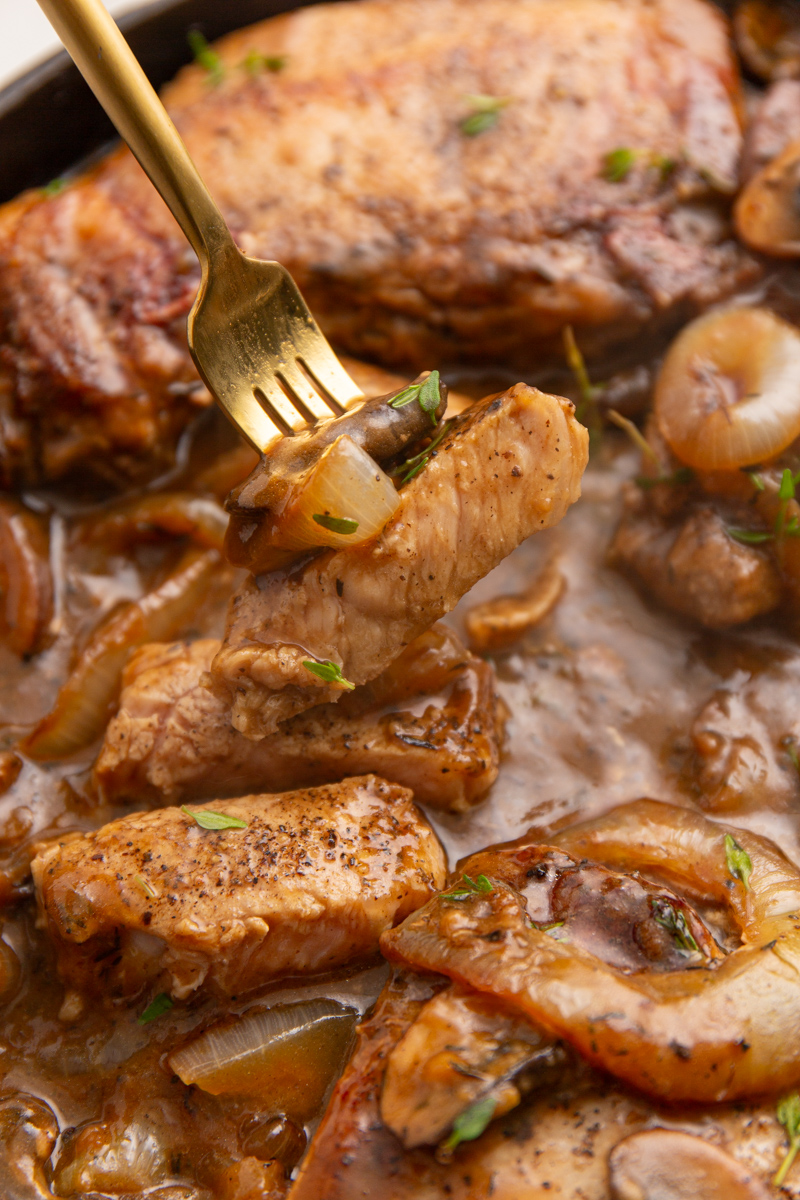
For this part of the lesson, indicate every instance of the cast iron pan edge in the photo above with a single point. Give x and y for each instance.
(49, 119)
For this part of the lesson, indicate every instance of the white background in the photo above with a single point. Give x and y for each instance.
(26, 36)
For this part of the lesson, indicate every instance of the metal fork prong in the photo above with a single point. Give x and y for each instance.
(301, 390)
(279, 408)
(328, 373)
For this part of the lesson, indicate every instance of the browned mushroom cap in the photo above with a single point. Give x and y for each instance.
(661, 1164)
(768, 209)
(501, 622)
(768, 37)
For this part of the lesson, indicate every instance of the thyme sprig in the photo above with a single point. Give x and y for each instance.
(784, 526)
(205, 57)
(738, 861)
(413, 466)
(789, 1117)
(469, 887)
(673, 920)
(330, 672)
(485, 113)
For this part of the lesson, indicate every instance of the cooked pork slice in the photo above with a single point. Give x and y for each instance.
(440, 176)
(507, 467)
(309, 883)
(430, 722)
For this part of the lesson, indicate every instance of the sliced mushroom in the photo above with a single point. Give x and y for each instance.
(768, 37)
(768, 210)
(663, 1164)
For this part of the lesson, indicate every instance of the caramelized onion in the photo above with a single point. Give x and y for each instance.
(288, 1054)
(26, 585)
(83, 705)
(346, 485)
(178, 513)
(728, 395)
(767, 213)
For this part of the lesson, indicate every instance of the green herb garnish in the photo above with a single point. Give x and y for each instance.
(335, 524)
(750, 537)
(469, 887)
(330, 672)
(485, 113)
(587, 410)
(739, 863)
(54, 187)
(427, 393)
(618, 164)
(254, 63)
(673, 920)
(156, 1008)
(471, 1123)
(633, 432)
(207, 58)
(789, 1117)
(413, 466)
(146, 888)
(206, 818)
(756, 479)
(682, 475)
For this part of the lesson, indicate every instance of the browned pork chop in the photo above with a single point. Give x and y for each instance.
(414, 236)
(430, 722)
(309, 884)
(508, 467)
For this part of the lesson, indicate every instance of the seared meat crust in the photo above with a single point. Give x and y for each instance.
(172, 738)
(413, 242)
(310, 884)
(508, 467)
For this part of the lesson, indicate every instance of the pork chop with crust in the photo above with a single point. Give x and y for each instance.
(508, 467)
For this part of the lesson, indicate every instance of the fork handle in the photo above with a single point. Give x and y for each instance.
(112, 71)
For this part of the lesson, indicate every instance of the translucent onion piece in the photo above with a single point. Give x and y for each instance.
(345, 483)
(83, 705)
(178, 513)
(26, 587)
(28, 1136)
(288, 1055)
(728, 395)
(767, 216)
(115, 1157)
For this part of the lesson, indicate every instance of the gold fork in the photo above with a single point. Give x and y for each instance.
(254, 341)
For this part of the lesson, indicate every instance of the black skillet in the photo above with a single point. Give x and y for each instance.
(49, 120)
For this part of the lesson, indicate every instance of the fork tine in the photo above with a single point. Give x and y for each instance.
(309, 399)
(277, 406)
(325, 369)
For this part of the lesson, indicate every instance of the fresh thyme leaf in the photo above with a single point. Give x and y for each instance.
(681, 476)
(664, 164)
(205, 56)
(756, 480)
(156, 1008)
(54, 187)
(406, 396)
(750, 537)
(587, 410)
(617, 164)
(789, 1116)
(471, 1123)
(206, 818)
(254, 63)
(429, 395)
(146, 888)
(330, 672)
(674, 921)
(633, 432)
(413, 466)
(336, 524)
(739, 863)
(485, 113)
(787, 489)
(469, 887)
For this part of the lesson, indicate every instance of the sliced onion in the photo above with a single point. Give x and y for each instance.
(287, 1055)
(176, 513)
(728, 395)
(26, 586)
(115, 1156)
(83, 706)
(345, 484)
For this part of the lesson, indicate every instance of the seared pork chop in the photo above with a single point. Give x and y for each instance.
(509, 466)
(310, 883)
(431, 722)
(415, 236)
